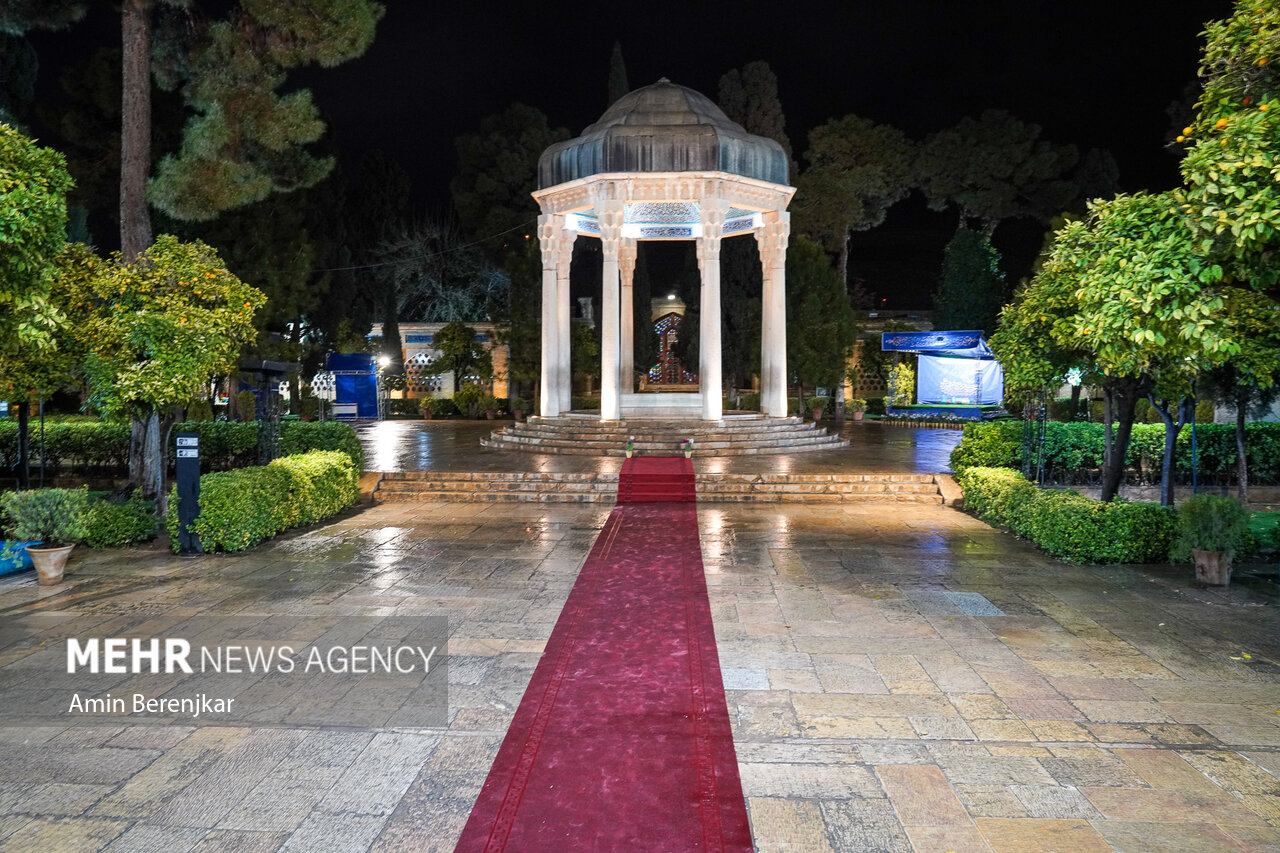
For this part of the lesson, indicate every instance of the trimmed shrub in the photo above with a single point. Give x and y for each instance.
(875, 406)
(590, 404)
(303, 437)
(239, 509)
(403, 408)
(468, 399)
(446, 408)
(999, 496)
(749, 402)
(223, 444)
(988, 445)
(325, 482)
(117, 524)
(1073, 451)
(1066, 524)
(69, 445)
(1077, 529)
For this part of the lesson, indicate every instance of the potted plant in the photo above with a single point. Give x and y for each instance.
(54, 518)
(468, 399)
(687, 447)
(518, 407)
(428, 406)
(631, 446)
(1210, 531)
(816, 405)
(857, 405)
(489, 403)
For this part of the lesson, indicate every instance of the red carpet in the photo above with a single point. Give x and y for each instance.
(656, 478)
(622, 740)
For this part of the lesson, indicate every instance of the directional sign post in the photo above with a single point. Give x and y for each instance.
(188, 464)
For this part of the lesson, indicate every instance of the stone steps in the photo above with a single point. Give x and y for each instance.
(736, 435)
(485, 487)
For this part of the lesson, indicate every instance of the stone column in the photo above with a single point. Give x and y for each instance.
(564, 362)
(549, 226)
(627, 326)
(609, 215)
(772, 240)
(709, 353)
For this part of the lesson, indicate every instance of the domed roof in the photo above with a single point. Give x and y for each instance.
(663, 128)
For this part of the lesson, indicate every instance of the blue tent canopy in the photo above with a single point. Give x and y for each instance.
(954, 367)
(355, 385)
(968, 344)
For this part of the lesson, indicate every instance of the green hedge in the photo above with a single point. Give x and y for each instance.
(404, 408)
(109, 524)
(239, 509)
(325, 483)
(77, 444)
(1073, 451)
(223, 444)
(1066, 524)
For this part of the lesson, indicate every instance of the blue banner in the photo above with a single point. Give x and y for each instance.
(350, 362)
(963, 343)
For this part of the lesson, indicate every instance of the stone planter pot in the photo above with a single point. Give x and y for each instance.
(490, 414)
(50, 563)
(817, 414)
(857, 416)
(629, 452)
(1212, 567)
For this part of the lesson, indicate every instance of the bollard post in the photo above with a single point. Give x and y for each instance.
(188, 472)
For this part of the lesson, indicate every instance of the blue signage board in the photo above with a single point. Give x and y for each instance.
(963, 342)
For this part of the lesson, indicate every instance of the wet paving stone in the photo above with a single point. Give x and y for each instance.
(876, 703)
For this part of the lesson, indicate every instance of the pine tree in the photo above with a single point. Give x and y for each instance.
(749, 96)
(973, 287)
(244, 139)
(618, 85)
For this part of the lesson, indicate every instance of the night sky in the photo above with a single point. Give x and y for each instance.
(1095, 74)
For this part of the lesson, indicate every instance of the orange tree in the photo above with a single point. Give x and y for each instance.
(1126, 292)
(33, 219)
(1232, 169)
(154, 331)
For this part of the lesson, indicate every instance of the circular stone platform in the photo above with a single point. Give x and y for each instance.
(584, 434)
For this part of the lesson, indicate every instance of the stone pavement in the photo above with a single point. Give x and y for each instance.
(899, 677)
(407, 445)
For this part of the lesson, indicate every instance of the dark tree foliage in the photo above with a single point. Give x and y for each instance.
(18, 67)
(618, 85)
(243, 138)
(973, 286)
(646, 342)
(497, 171)
(820, 324)
(994, 168)
(749, 96)
(740, 288)
(857, 170)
